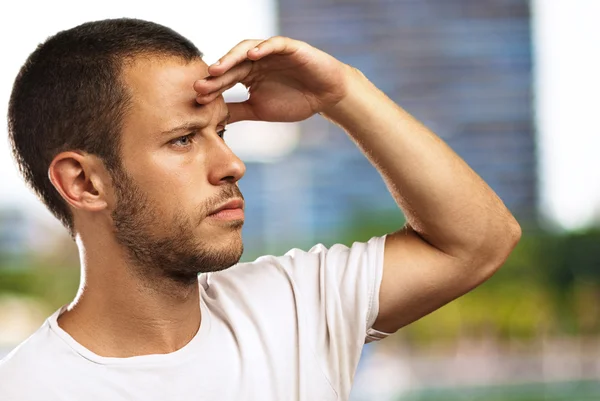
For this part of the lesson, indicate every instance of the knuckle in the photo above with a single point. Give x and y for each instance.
(250, 42)
(223, 85)
(300, 43)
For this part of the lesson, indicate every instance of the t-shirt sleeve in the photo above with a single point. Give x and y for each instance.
(339, 287)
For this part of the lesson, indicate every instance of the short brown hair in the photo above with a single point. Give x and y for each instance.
(68, 96)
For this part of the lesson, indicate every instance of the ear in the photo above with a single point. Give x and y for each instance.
(80, 180)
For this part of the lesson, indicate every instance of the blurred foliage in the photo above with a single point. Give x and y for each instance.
(582, 390)
(53, 285)
(550, 285)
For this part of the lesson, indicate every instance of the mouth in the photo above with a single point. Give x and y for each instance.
(232, 210)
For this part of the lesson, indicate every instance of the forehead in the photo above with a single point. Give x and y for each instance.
(162, 93)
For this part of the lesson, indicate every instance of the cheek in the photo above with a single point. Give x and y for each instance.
(178, 182)
(172, 180)
(171, 172)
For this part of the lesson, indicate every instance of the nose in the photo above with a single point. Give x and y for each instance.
(225, 166)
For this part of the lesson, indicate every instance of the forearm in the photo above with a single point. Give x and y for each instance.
(443, 199)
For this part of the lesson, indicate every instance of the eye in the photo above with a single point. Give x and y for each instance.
(222, 133)
(183, 141)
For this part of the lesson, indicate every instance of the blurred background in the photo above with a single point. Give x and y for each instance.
(511, 85)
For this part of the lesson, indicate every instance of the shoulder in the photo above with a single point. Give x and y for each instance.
(270, 276)
(29, 362)
(25, 353)
(269, 282)
(270, 267)
(267, 269)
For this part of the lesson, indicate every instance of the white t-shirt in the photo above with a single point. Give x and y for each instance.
(279, 328)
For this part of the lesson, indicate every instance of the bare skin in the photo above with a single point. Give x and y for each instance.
(458, 233)
(124, 308)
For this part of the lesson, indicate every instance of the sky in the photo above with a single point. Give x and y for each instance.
(567, 61)
(567, 50)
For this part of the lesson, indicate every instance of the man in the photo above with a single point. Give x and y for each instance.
(118, 126)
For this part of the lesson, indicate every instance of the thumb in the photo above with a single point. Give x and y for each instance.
(241, 111)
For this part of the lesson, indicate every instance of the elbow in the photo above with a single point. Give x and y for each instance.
(511, 236)
(515, 232)
(501, 244)
(498, 247)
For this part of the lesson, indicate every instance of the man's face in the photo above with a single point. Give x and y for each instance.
(174, 178)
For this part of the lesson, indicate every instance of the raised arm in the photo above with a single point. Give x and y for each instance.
(458, 233)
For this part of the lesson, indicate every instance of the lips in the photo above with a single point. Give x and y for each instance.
(231, 205)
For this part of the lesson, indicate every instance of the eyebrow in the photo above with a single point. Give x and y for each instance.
(190, 127)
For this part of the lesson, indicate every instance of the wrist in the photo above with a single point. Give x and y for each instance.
(358, 90)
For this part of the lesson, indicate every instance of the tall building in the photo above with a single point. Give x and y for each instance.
(463, 67)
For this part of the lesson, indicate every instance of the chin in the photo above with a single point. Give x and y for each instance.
(224, 231)
(228, 244)
(236, 248)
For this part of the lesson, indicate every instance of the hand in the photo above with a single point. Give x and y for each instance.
(287, 80)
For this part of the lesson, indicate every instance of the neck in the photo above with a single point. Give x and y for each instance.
(120, 313)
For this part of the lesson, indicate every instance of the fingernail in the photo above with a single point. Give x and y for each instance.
(256, 49)
(217, 63)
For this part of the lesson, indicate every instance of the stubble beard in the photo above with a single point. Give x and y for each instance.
(177, 255)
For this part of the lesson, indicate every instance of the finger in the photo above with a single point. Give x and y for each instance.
(221, 83)
(207, 98)
(276, 44)
(235, 56)
(241, 111)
